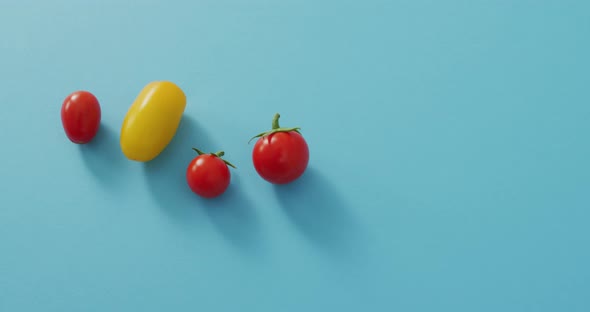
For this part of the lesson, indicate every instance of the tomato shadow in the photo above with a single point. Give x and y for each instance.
(236, 218)
(165, 174)
(316, 208)
(103, 157)
(232, 213)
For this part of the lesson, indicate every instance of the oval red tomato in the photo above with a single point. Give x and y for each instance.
(208, 175)
(80, 116)
(280, 155)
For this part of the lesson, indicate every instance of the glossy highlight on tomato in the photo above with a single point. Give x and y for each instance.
(208, 174)
(80, 116)
(152, 120)
(280, 155)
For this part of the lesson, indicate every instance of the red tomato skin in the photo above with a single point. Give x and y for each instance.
(208, 176)
(80, 116)
(281, 157)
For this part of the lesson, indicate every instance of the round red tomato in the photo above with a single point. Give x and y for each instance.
(280, 155)
(208, 175)
(80, 116)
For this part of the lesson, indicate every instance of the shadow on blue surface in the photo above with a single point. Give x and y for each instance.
(316, 208)
(166, 174)
(103, 156)
(235, 217)
(232, 213)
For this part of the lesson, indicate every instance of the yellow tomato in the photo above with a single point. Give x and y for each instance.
(152, 120)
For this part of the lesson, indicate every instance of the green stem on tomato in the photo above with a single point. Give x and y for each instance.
(275, 128)
(198, 151)
(218, 154)
(228, 163)
(275, 121)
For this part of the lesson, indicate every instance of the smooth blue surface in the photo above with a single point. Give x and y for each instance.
(449, 164)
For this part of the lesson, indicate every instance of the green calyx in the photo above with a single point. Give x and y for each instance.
(275, 128)
(218, 154)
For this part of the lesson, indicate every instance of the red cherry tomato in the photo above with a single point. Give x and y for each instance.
(280, 155)
(208, 175)
(80, 116)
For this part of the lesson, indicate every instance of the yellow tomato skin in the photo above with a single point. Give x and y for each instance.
(152, 120)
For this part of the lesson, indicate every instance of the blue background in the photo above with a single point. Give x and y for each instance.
(448, 157)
